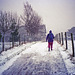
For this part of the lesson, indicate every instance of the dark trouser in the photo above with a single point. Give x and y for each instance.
(50, 44)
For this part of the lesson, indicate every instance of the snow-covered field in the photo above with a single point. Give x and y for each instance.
(7, 58)
(69, 60)
(8, 45)
(70, 46)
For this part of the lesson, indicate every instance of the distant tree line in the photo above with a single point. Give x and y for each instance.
(10, 22)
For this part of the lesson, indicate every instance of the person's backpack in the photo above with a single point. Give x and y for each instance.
(50, 36)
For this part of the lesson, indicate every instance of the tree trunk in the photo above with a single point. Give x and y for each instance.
(12, 40)
(3, 43)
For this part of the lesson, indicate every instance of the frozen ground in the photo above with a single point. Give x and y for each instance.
(68, 60)
(8, 45)
(69, 44)
(36, 60)
(8, 57)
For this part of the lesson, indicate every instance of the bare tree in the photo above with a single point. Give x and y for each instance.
(31, 19)
(7, 20)
(4, 25)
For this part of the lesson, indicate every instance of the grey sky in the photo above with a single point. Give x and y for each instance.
(57, 15)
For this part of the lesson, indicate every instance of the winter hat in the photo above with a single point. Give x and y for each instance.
(50, 31)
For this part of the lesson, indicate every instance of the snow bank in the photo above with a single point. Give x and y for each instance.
(69, 62)
(8, 57)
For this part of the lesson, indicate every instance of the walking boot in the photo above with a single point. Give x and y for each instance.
(49, 49)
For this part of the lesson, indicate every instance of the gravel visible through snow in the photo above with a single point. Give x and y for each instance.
(36, 60)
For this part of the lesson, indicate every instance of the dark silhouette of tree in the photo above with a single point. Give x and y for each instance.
(14, 30)
(31, 19)
(0, 36)
(15, 35)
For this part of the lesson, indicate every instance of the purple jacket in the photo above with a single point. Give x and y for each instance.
(50, 37)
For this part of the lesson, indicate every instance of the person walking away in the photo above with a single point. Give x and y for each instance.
(50, 38)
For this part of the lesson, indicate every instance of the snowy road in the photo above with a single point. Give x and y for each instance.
(36, 60)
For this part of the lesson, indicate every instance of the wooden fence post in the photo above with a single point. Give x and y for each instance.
(66, 40)
(72, 44)
(12, 40)
(56, 37)
(24, 39)
(19, 39)
(62, 38)
(59, 39)
(3, 43)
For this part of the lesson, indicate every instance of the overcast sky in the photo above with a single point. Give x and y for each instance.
(57, 15)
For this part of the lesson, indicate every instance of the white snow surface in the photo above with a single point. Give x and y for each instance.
(7, 58)
(68, 59)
